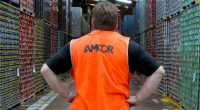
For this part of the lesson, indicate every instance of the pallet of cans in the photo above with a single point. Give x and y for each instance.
(54, 38)
(162, 52)
(66, 28)
(136, 21)
(63, 12)
(174, 60)
(39, 9)
(143, 40)
(39, 45)
(26, 56)
(150, 12)
(47, 41)
(46, 8)
(142, 15)
(54, 12)
(9, 56)
(61, 40)
(150, 41)
(27, 6)
(161, 9)
(190, 55)
(173, 6)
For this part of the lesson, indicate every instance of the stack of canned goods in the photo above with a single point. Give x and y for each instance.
(150, 41)
(54, 37)
(150, 12)
(9, 56)
(47, 41)
(161, 52)
(61, 40)
(173, 6)
(174, 51)
(161, 9)
(190, 55)
(26, 55)
(39, 54)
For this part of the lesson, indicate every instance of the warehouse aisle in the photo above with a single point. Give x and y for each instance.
(51, 101)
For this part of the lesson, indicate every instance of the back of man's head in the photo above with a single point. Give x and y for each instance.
(105, 16)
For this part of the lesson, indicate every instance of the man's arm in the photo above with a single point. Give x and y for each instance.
(148, 87)
(59, 63)
(55, 83)
(142, 62)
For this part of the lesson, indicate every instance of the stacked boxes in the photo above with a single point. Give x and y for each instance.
(39, 45)
(60, 43)
(54, 13)
(47, 44)
(67, 16)
(190, 55)
(161, 9)
(54, 26)
(136, 14)
(174, 60)
(54, 34)
(162, 52)
(143, 40)
(173, 6)
(47, 41)
(150, 22)
(150, 41)
(46, 10)
(142, 23)
(63, 14)
(150, 12)
(26, 55)
(9, 56)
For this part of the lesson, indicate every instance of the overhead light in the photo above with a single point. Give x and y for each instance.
(96, 0)
(119, 10)
(126, 7)
(92, 4)
(117, 4)
(125, 1)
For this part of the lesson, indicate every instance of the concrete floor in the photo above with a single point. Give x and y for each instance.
(155, 102)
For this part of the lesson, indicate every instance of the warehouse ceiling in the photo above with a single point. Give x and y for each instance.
(124, 8)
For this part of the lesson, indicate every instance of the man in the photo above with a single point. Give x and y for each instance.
(102, 62)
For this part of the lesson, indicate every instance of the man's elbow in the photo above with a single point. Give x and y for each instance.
(44, 69)
(161, 71)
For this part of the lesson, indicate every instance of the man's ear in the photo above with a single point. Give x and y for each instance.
(116, 26)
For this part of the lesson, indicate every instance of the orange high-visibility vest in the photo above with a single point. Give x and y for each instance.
(101, 73)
